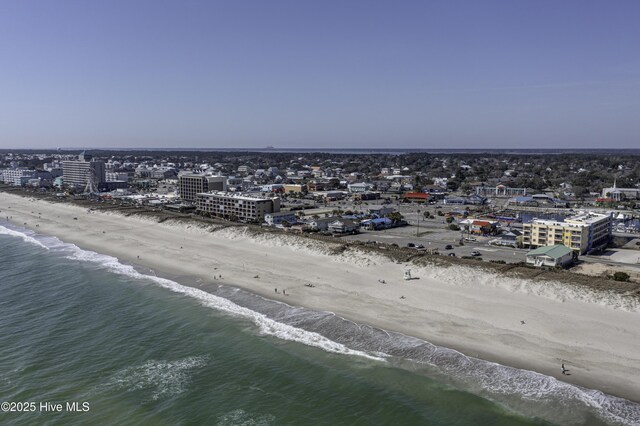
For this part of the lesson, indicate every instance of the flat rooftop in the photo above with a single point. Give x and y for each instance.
(235, 196)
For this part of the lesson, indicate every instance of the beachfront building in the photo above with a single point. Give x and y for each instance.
(280, 218)
(343, 226)
(582, 233)
(83, 171)
(190, 184)
(320, 224)
(556, 255)
(10, 176)
(376, 224)
(236, 206)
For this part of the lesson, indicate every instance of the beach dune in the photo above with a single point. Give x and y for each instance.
(516, 322)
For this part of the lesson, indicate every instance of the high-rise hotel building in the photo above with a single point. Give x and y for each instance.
(190, 184)
(78, 173)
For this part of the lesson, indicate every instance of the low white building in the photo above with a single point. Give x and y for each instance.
(557, 255)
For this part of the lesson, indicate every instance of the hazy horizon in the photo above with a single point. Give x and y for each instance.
(323, 75)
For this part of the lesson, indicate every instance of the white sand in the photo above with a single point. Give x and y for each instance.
(478, 313)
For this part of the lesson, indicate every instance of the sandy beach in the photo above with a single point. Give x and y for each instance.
(516, 322)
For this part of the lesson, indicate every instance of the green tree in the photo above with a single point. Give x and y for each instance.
(395, 217)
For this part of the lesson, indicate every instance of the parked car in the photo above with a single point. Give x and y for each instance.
(420, 246)
(452, 254)
(448, 247)
(410, 245)
(476, 253)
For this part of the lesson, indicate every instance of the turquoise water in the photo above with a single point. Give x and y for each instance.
(138, 349)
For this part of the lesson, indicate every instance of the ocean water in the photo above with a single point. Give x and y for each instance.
(129, 347)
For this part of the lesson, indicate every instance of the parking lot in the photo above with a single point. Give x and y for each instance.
(432, 233)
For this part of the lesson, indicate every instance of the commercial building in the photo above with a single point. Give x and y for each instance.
(236, 206)
(581, 234)
(420, 197)
(190, 184)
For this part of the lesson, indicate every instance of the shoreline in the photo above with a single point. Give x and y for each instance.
(467, 309)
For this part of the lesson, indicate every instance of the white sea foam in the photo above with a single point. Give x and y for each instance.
(161, 378)
(242, 418)
(170, 377)
(265, 324)
(493, 378)
(26, 237)
(496, 379)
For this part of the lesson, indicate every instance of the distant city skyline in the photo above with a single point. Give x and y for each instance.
(330, 74)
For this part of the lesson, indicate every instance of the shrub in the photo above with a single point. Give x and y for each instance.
(621, 276)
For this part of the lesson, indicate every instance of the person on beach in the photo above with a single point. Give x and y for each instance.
(564, 370)
(276, 289)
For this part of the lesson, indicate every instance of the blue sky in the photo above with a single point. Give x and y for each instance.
(357, 74)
